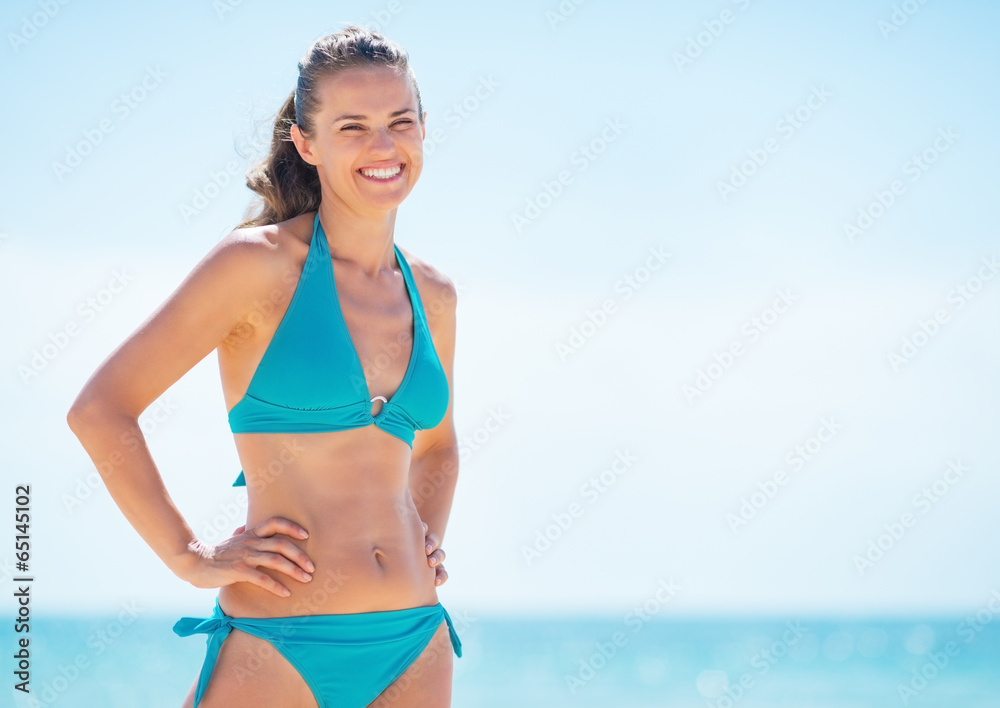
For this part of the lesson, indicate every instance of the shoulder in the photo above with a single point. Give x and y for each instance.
(260, 251)
(438, 293)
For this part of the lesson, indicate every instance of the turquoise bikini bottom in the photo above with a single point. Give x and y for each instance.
(347, 660)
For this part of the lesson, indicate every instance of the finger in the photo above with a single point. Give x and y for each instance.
(436, 558)
(279, 524)
(239, 530)
(278, 562)
(440, 576)
(267, 582)
(283, 546)
(431, 542)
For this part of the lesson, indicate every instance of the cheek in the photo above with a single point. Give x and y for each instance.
(415, 150)
(337, 153)
(340, 165)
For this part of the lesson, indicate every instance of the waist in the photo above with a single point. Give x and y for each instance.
(353, 513)
(350, 491)
(368, 552)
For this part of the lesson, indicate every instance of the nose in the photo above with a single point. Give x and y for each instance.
(382, 139)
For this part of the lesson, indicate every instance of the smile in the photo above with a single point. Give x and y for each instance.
(382, 174)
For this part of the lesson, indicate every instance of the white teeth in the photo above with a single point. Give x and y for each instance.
(383, 173)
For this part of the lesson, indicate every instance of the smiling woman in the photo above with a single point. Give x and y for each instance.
(288, 180)
(346, 391)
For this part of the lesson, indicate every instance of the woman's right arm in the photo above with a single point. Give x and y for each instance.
(211, 301)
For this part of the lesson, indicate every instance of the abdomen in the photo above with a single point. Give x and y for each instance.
(349, 490)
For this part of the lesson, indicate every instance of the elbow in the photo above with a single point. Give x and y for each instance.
(83, 414)
(76, 418)
(73, 419)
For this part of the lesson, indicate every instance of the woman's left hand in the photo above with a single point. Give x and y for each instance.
(435, 556)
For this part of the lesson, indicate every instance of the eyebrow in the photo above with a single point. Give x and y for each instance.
(360, 117)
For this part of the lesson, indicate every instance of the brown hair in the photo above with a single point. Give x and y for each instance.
(286, 184)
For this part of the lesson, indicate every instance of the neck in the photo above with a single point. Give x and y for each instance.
(363, 239)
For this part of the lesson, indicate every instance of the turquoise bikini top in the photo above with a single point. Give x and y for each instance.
(310, 379)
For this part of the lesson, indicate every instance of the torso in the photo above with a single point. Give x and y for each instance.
(347, 488)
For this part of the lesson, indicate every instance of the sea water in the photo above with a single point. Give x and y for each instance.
(108, 661)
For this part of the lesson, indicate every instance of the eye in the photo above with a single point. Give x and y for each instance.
(406, 122)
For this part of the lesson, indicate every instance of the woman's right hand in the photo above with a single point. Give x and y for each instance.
(238, 557)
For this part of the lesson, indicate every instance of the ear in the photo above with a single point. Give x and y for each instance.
(423, 128)
(302, 144)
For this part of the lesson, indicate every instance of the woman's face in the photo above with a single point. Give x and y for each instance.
(367, 119)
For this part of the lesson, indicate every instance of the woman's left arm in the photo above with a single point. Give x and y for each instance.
(434, 459)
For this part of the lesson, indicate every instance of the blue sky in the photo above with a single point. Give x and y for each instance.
(589, 148)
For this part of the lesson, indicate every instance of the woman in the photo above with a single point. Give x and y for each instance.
(338, 383)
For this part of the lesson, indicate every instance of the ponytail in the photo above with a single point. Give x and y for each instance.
(287, 184)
